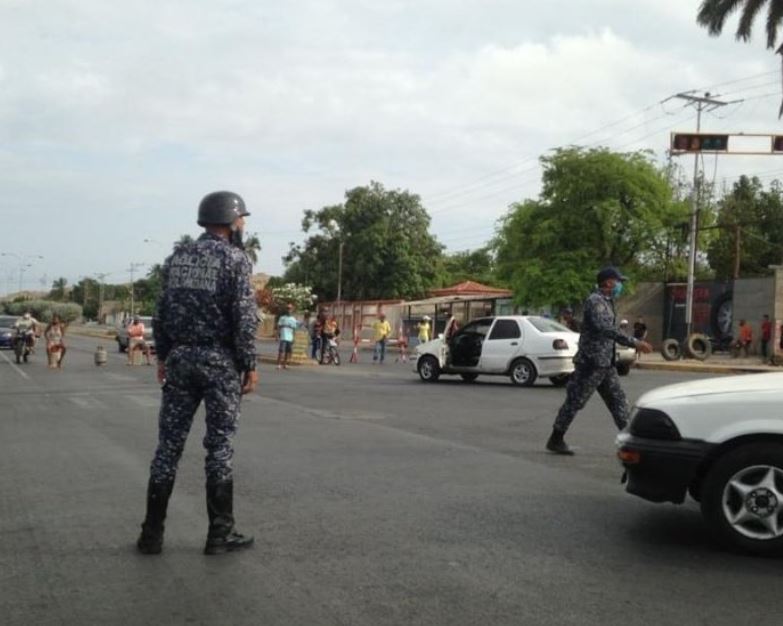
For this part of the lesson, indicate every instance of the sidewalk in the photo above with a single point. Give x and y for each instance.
(715, 364)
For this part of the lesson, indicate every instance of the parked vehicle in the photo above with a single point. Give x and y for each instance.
(721, 441)
(625, 357)
(522, 347)
(122, 335)
(7, 331)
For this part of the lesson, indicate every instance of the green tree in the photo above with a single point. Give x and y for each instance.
(253, 247)
(388, 251)
(58, 289)
(596, 207)
(477, 265)
(755, 216)
(184, 240)
(713, 14)
(85, 293)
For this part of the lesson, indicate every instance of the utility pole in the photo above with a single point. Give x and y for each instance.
(132, 270)
(702, 104)
(101, 278)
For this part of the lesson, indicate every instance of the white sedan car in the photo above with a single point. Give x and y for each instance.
(520, 346)
(721, 441)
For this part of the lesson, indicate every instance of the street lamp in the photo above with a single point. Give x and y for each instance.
(336, 227)
(22, 265)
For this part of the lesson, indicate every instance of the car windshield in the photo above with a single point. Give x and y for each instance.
(7, 321)
(545, 325)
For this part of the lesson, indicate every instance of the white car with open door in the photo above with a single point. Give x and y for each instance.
(523, 347)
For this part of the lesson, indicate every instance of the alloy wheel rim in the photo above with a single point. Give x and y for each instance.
(752, 502)
(521, 373)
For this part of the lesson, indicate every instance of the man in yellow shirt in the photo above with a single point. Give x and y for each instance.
(381, 331)
(424, 329)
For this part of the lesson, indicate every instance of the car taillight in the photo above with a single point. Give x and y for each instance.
(560, 344)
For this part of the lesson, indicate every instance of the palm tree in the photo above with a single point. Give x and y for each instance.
(713, 13)
(58, 289)
(253, 247)
(183, 241)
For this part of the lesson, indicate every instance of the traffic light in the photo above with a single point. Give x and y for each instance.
(777, 143)
(700, 142)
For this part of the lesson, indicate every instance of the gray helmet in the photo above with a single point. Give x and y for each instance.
(221, 208)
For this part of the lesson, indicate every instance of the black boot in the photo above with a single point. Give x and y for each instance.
(151, 539)
(557, 445)
(220, 507)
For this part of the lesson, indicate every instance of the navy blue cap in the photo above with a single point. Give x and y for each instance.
(610, 272)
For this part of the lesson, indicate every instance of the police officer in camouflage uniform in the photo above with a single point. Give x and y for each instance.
(595, 360)
(205, 326)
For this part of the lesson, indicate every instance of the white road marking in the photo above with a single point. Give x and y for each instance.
(146, 402)
(123, 378)
(12, 364)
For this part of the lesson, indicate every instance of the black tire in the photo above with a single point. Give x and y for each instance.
(722, 314)
(745, 466)
(523, 373)
(428, 368)
(670, 350)
(469, 378)
(698, 347)
(561, 380)
(623, 369)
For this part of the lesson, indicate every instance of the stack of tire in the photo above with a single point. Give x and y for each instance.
(697, 346)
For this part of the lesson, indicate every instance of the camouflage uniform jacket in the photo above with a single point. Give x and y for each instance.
(599, 332)
(207, 300)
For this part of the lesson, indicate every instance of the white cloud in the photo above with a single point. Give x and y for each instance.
(113, 109)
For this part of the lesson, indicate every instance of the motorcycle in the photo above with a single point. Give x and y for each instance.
(330, 353)
(24, 344)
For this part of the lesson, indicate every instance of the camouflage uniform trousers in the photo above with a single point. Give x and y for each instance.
(584, 382)
(193, 374)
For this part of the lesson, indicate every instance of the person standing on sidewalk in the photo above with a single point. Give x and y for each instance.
(595, 360)
(205, 331)
(766, 335)
(423, 328)
(286, 326)
(381, 331)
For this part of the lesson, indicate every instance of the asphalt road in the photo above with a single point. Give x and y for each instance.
(374, 498)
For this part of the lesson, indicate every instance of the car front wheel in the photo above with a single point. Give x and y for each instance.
(742, 498)
(523, 373)
(429, 369)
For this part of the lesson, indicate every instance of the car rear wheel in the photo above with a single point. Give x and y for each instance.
(623, 369)
(429, 369)
(469, 378)
(523, 373)
(742, 498)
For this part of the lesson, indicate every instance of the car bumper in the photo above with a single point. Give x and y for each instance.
(554, 365)
(660, 470)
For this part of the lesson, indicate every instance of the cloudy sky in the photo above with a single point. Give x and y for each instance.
(116, 118)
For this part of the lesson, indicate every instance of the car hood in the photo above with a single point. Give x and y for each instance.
(727, 385)
(431, 346)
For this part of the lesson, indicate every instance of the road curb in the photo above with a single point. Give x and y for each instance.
(699, 367)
